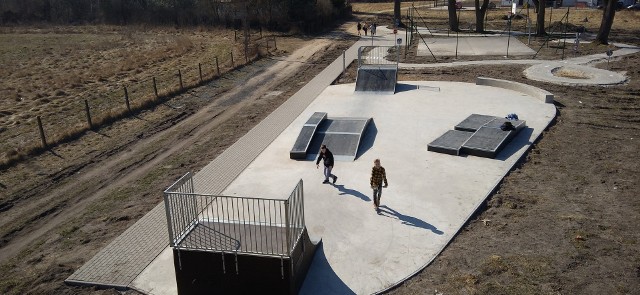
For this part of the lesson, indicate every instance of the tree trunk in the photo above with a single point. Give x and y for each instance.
(175, 13)
(453, 18)
(396, 12)
(540, 19)
(607, 22)
(480, 13)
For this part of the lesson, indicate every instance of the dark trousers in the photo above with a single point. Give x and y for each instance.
(377, 194)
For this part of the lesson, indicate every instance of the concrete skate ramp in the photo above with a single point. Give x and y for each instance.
(230, 272)
(341, 135)
(450, 142)
(377, 79)
(301, 146)
(489, 139)
(474, 122)
(477, 135)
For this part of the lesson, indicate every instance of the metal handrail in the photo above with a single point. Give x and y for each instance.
(259, 226)
(377, 53)
(223, 196)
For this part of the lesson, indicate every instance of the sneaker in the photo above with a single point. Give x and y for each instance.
(334, 179)
(326, 181)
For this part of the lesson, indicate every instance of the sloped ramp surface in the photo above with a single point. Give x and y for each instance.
(450, 142)
(489, 139)
(377, 79)
(301, 146)
(341, 135)
(477, 135)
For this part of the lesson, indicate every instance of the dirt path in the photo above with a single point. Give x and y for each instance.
(142, 155)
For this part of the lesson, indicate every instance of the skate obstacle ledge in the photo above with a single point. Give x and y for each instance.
(477, 135)
(538, 93)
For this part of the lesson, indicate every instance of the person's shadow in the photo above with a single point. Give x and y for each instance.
(347, 191)
(408, 220)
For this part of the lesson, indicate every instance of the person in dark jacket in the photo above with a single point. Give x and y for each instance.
(327, 157)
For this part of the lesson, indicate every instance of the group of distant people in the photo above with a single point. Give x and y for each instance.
(378, 174)
(367, 27)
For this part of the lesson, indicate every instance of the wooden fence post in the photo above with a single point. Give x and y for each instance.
(217, 67)
(200, 71)
(44, 140)
(155, 88)
(232, 64)
(246, 58)
(180, 78)
(126, 98)
(257, 50)
(86, 109)
(275, 45)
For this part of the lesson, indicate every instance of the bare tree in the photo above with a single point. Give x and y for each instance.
(396, 12)
(481, 11)
(607, 22)
(540, 7)
(453, 17)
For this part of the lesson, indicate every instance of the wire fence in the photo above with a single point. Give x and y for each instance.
(106, 103)
(231, 224)
(378, 55)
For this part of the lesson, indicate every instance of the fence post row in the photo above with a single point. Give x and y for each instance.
(217, 67)
(155, 88)
(86, 109)
(126, 98)
(44, 140)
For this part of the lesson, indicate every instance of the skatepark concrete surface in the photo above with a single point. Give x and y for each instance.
(429, 198)
(473, 46)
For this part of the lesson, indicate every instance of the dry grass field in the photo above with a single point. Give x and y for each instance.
(49, 72)
(60, 207)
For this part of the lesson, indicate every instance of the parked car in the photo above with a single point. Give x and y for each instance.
(619, 5)
(634, 7)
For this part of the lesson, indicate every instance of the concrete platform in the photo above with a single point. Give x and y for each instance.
(430, 195)
(472, 46)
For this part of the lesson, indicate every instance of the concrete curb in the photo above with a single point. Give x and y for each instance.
(541, 94)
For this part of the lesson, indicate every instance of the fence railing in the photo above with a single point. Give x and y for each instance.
(228, 224)
(378, 55)
(108, 102)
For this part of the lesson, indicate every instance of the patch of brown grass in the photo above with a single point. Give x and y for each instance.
(570, 73)
(48, 72)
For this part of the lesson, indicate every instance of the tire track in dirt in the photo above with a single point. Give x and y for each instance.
(50, 211)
